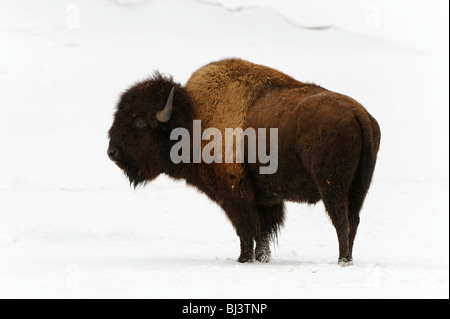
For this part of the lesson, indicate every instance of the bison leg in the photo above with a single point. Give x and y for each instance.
(247, 253)
(243, 216)
(337, 208)
(339, 217)
(334, 167)
(270, 220)
(262, 251)
(353, 225)
(355, 202)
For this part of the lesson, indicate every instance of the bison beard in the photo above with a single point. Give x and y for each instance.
(127, 165)
(328, 145)
(134, 176)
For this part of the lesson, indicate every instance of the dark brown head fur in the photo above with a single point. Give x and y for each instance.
(139, 143)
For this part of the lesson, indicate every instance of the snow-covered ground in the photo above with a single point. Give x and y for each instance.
(70, 226)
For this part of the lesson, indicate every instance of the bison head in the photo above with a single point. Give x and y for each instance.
(139, 137)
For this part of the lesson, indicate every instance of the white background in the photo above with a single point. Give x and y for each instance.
(70, 226)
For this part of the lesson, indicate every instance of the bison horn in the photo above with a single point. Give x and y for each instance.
(165, 114)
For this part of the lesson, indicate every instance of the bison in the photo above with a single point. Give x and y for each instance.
(327, 147)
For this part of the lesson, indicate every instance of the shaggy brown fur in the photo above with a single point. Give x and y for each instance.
(328, 144)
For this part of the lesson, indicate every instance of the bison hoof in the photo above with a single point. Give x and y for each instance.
(247, 258)
(263, 257)
(344, 262)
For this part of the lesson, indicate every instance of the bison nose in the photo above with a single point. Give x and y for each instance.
(113, 153)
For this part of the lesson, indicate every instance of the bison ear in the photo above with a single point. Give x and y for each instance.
(165, 114)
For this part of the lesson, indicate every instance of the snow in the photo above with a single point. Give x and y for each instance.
(71, 227)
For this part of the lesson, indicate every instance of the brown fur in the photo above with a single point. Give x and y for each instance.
(328, 145)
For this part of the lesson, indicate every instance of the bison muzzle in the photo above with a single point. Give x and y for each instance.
(327, 147)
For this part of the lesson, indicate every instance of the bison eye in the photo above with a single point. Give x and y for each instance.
(140, 123)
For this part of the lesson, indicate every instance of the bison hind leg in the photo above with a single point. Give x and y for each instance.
(333, 170)
(334, 191)
(337, 209)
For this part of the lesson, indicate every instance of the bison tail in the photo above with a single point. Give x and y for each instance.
(364, 172)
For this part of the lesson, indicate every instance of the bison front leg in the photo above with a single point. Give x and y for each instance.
(262, 251)
(243, 216)
(247, 253)
(271, 218)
